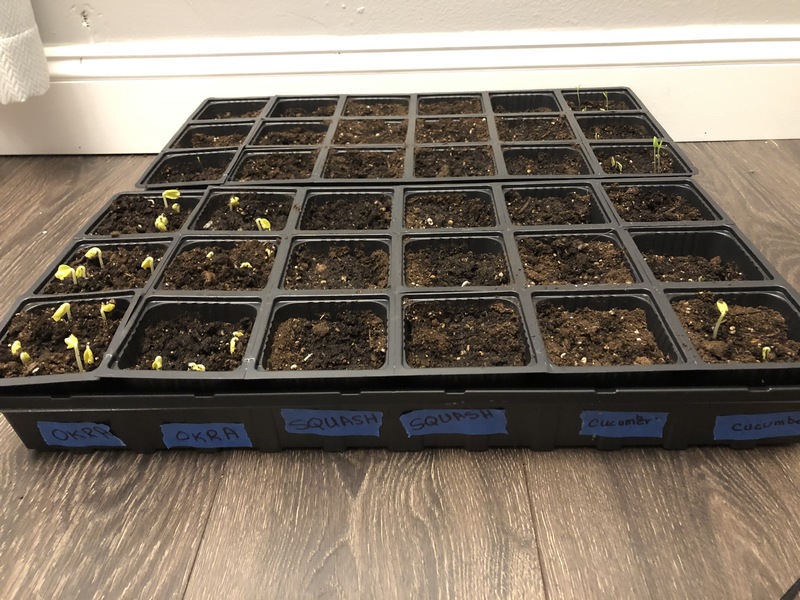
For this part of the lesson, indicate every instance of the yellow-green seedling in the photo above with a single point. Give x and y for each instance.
(245, 265)
(616, 164)
(722, 307)
(605, 95)
(578, 91)
(210, 254)
(233, 203)
(148, 263)
(65, 271)
(62, 312)
(176, 207)
(80, 271)
(24, 358)
(196, 367)
(95, 252)
(170, 196)
(234, 340)
(17, 346)
(73, 344)
(88, 356)
(765, 353)
(157, 363)
(657, 145)
(161, 222)
(106, 308)
(263, 224)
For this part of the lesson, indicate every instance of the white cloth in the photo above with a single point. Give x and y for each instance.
(23, 67)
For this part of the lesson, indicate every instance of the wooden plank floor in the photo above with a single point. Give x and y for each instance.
(638, 524)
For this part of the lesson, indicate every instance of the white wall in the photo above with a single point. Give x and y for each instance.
(126, 73)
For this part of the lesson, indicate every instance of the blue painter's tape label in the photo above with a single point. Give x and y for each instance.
(78, 435)
(472, 421)
(332, 423)
(619, 424)
(757, 427)
(205, 435)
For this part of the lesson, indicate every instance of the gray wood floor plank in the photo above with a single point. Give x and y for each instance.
(370, 524)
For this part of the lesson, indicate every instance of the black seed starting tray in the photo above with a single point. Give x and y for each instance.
(509, 313)
(440, 138)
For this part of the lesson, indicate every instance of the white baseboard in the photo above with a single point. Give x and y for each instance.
(701, 83)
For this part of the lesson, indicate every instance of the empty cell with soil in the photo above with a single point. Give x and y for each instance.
(264, 166)
(232, 109)
(326, 337)
(449, 105)
(221, 265)
(180, 168)
(524, 102)
(347, 264)
(347, 211)
(653, 203)
(370, 131)
(466, 161)
(304, 107)
(552, 206)
(573, 259)
(292, 134)
(617, 127)
(442, 131)
(464, 333)
(375, 107)
(455, 262)
(364, 164)
(213, 136)
(426, 210)
(532, 129)
(545, 161)
(242, 210)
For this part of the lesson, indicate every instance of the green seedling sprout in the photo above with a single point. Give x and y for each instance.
(263, 224)
(24, 358)
(234, 340)
(17, 346)
(88, 356)
(170, 196)
(765, 352)
(616, 164)
(161, 222)
(245, 265)
(95, 252)
(148, 263)
(65, 271)
(657, 153)
(61, 312)
(106, 308)
(210, 254)
(157, 363)
(196, 367)
(605, 95)
(176, 207)
(722, 307)
(578, 91)
(80, 272)
(233, 203)
(73, 344)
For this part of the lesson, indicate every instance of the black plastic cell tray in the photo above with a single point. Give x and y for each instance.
(537, 404)
(327, 116)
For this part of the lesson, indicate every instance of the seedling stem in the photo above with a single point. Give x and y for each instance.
(170, 196)
(95, 252)
(65, 271)
(722, 307)
(233, 203)
(106, 308)
(61, 312)
(72, 344)
(147, 263)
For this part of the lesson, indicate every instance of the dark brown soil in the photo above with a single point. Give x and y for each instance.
(452, 263)
(188, 168)
(648, 204)
(534, 129)
(588, 337)
(528, 210)
(617, 131)
(743, 334)
(304, 109)
(365, 164)
(371, 131)
(351, 211)
(367, 108)
(215, 266)
(334, 266)
(448, 209)
(636, 160)
(277, 165)
(352, 339)
(543, 162)
(443, 131)
(252, 205)
(122, 269)
(454, 162)
(692, 268)
(572, 260)
(298, 135)
(43, 339)
(464, 333)
(205, 140)
(241, 113)
(134, 213)
(189, 339)
(501, 109)
(593, 102)
(449, 106)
